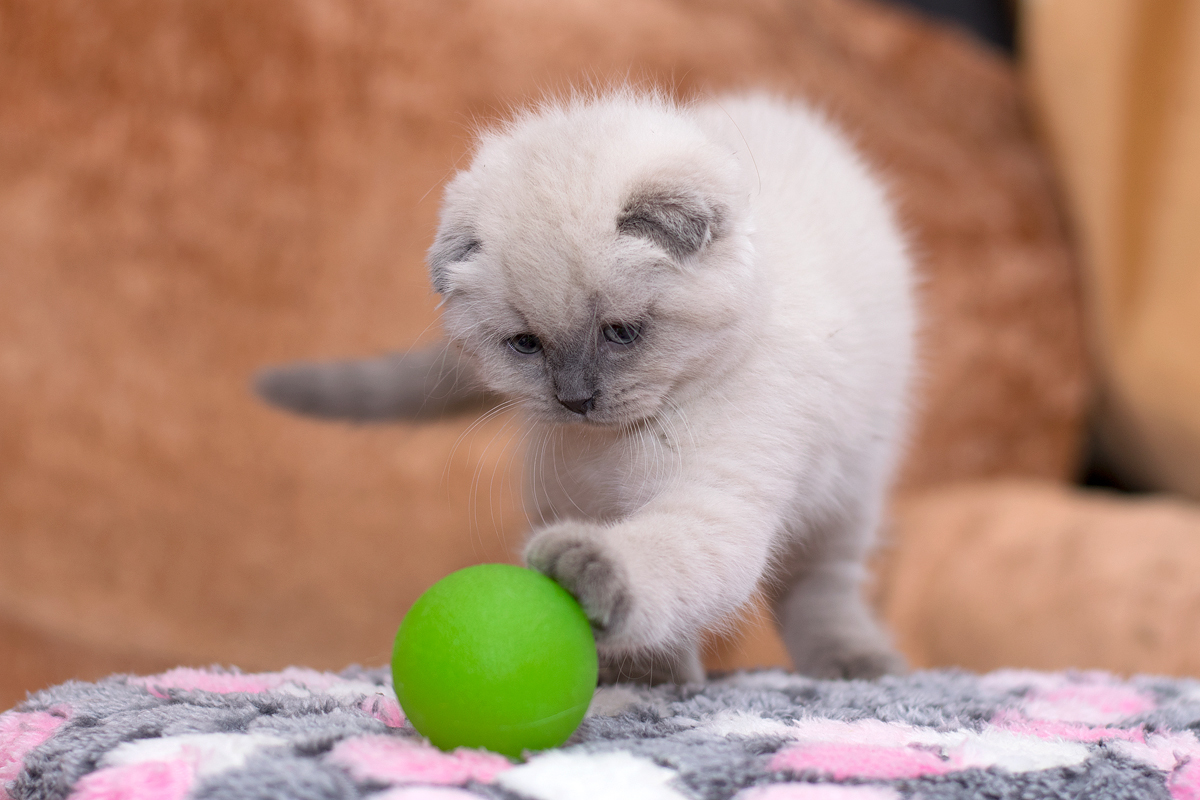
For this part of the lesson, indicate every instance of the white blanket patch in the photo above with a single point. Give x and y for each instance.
(600, 776)
(209, 753)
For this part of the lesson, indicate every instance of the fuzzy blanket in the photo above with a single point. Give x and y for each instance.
(759, 736)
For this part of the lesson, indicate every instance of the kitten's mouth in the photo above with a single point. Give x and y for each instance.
(601, 418)
(606, 415)
(591, 417)
(582, 409)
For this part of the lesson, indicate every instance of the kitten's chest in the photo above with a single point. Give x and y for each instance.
(597, 476)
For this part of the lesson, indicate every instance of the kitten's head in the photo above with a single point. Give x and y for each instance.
(594, 259)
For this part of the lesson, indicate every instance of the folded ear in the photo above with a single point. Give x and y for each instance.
(680, 222)
(452, 245)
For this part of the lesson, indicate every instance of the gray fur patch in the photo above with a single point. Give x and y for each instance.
(424, 383)
(449, 247)
(679, 222)
(275, 777)
(575, 368)
(1098, 778)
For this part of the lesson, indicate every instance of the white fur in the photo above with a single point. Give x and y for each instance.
(746, 438)
(755, 432)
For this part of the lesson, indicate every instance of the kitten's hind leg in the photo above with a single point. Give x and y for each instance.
(827, 627)
(420, 384)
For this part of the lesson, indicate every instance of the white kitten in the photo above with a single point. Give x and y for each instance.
(709, 308)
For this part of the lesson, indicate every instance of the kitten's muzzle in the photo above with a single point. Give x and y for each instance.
(579, 405)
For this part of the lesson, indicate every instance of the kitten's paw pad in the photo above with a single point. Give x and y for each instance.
(856, 665)
(581, 567)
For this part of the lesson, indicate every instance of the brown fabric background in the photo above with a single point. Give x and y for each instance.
(191, 190)
(1028, 573)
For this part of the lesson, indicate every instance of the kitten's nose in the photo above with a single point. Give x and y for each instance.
(582, 406)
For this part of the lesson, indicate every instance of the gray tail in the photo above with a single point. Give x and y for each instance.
(421, 384)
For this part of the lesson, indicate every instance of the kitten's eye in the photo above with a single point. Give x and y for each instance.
(525, 343)
(621, 334)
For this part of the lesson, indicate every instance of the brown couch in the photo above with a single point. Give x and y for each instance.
(191, 190)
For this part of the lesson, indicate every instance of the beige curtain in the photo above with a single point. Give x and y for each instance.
(1116, 87)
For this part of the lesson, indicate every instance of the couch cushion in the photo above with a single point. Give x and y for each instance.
(1032, 574)
(193, 190)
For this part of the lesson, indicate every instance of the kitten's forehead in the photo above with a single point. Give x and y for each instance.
(547, 191)
(570, 170)
(541, 219)
(572, 307)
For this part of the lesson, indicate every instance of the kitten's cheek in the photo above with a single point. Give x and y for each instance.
(571, 555)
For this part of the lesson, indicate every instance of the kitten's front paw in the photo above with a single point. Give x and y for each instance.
(570, 554)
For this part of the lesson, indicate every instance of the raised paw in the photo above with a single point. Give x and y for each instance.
(571, 555)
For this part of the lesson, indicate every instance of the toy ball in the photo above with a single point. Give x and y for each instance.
(495, 656)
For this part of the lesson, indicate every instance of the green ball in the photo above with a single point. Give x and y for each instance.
(495, 656)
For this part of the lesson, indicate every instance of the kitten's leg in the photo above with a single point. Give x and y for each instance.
(652, 583)
(420, 384)
(828, 629)
(652, 668)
